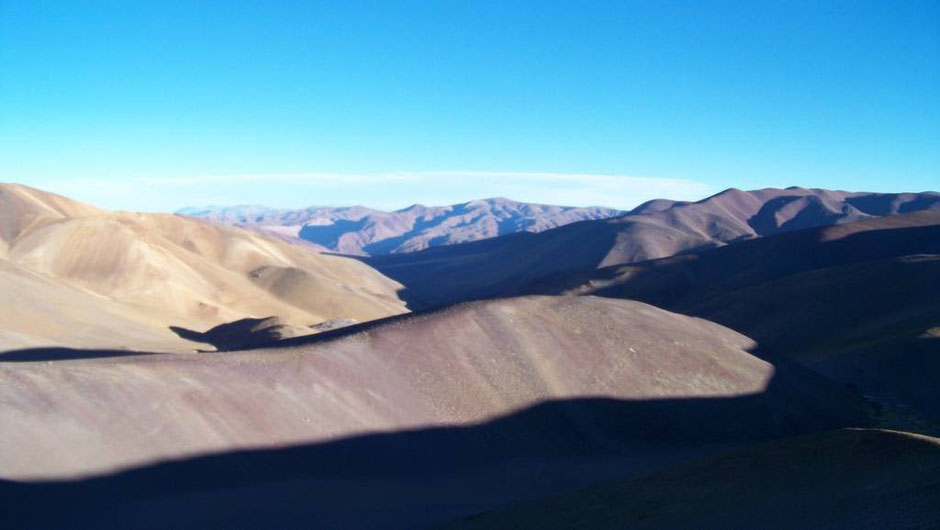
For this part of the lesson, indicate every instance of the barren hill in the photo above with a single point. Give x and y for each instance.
(461, 365)
(364, 231)
(432, 416)
(127, 276)
(858, 302)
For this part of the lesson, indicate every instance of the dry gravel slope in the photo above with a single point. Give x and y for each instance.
(685, 380)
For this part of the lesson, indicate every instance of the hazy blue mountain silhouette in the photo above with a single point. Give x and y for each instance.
(358, 230)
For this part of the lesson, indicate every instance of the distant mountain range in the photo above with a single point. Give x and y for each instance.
(362, 231)
(512, 264)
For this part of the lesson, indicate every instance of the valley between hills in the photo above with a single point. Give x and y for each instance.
(760, 358)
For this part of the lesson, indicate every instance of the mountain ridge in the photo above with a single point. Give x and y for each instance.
(508, 265)
(359, 230)
(855, 301)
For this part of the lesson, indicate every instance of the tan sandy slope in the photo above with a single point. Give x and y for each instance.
(97, 278)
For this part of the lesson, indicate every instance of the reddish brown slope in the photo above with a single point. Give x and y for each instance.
(399, 424)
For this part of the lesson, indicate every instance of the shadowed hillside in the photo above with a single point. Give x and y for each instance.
(850, 479)
(856, 302)
(460, 365)
(412, 477)
(417, 419)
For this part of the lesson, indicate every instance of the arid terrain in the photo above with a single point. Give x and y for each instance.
(464, 265)
(509, 265)
(858, 302)
(362, 231)
(687, 364)
(455, 393)
(74, 275)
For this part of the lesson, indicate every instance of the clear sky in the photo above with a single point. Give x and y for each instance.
(157, 105)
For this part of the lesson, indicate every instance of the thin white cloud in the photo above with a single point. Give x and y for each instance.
(390, 190)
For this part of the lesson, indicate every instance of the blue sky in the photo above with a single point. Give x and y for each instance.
(158, 105)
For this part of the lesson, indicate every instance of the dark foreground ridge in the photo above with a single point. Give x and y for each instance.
(416, 477)
(851, 478)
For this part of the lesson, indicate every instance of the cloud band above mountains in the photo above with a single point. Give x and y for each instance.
(388, 190)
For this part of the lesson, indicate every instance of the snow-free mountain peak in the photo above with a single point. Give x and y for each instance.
(360, 230)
